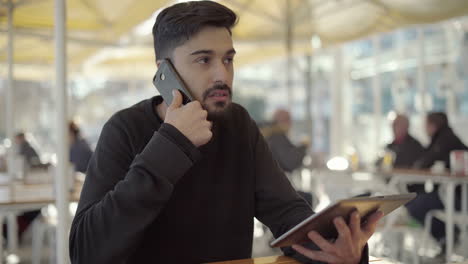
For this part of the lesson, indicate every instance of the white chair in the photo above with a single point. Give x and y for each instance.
(459, 220)
(43, 227)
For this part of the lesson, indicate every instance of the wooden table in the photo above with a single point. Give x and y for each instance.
(265, 260)
(284, 260)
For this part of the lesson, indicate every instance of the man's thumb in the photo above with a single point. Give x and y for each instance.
(176, 99)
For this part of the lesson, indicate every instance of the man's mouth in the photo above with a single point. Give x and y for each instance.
(219, 95)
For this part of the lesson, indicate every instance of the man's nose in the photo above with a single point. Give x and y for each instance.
(220, 73)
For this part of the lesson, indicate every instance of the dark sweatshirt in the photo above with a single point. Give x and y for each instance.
(151, 196)
(442, 143)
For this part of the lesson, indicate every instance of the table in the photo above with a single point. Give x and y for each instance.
(399, 177)
(265, 260)
(11, 209)
(284, 260)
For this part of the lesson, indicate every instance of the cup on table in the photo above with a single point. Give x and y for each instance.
(459, 163)
(438, 167)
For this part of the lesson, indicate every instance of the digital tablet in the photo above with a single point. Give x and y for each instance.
(322, 222)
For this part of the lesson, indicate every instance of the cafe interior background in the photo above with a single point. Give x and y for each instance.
(343, 68)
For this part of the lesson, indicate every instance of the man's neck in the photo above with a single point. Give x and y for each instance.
(161, 110)
(401, 138)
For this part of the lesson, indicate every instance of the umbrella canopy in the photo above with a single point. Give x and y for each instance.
(91, 25)
(102, 34)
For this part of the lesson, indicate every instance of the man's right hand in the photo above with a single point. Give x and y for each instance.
(189, 119)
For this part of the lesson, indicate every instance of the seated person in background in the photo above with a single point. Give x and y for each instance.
(80, 152)
(27, 151)
(288, 155)
(443, 141)
(32, 159)
(405, 147)
(182, 183)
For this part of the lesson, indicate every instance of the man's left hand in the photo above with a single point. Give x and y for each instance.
(348, 247)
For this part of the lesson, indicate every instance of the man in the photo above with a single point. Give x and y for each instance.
(80, 152)
(182, 183)
(287, 154)
(443, 141)
(25, 150)
(406, 148)
(31, 159)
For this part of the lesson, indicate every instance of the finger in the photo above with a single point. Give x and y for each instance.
(355, 223)
(317, 255)
(371, 224)
(195, 104)
(204, 114)
(209, 134)
(321, 242)
(342, 228)
(210, 124)
(176, 100)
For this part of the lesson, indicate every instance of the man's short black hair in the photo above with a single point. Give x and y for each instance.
(177, 23)
(439, 119)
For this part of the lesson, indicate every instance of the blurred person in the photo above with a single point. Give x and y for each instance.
(31, 159)
(182, 183)
(443, 141)
(288, 155)
(80, 152)
(405, 147)
(25, 150)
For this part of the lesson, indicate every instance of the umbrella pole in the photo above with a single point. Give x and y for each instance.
(421, 76)
(12, 225)
(9, 92)
(308, 98)
(336, 118)
(62, 173)
(377, 92)
(289, 48)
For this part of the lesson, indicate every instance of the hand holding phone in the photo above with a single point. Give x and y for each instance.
(189, 119)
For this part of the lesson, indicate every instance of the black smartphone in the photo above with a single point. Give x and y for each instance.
(167, 79)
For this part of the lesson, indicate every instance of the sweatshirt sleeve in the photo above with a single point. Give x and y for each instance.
(278, 205)
(123, 194)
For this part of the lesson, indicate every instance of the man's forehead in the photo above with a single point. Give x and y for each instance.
(215, 39)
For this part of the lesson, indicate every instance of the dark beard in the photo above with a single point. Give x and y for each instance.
(220, 116)
(216, 116)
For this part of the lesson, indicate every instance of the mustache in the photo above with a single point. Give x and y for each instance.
(223, 87)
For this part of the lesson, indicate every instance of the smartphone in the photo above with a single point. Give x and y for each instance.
(167, 79)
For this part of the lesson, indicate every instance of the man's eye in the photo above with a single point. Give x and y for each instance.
(203, 60)
(228, 60)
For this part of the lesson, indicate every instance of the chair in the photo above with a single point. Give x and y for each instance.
(43, 227)
(459, 220)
